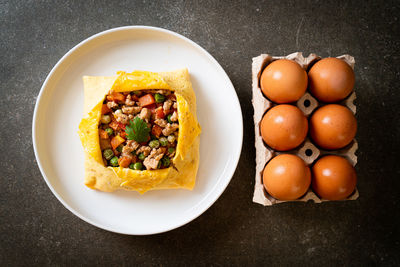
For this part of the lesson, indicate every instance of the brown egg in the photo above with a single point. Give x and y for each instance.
(284, 127)
(331, 80)
(333, 178)
(286, 177)
(284, 81)
(332, 126)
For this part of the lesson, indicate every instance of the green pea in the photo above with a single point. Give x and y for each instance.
(141, 156)
(109, 131)
(119, 148)
(171, 150)
(114, 161)
(105, 119)
(166, 161)
(159, 98)
(154, 144)
(136, 166)
(108, 154)
(169, 118)
(163, 141)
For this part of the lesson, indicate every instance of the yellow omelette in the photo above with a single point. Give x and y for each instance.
(186, 160)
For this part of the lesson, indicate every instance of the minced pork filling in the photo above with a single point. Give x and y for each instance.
(139, 129)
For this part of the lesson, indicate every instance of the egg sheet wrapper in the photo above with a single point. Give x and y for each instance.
(264, 153)
(186, 160)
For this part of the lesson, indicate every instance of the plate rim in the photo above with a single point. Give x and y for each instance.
(53, 71)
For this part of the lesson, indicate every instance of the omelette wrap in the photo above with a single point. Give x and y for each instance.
(114, 106)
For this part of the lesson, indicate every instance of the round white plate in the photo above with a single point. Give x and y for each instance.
(59, 109)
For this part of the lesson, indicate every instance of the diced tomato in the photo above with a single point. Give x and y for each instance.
(156, 131)
(146, 100)
(116, 141)
(117, 97)
(114, 125)
(172, 97)
(103, 134)
(105, 109)
(124, 162)
(122, 134)
(121, 125)
(160, 113)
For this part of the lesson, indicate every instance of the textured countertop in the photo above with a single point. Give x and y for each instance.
(35, 228)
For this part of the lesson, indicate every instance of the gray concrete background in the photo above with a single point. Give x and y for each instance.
(35, 229)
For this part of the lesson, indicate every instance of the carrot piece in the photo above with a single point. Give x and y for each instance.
(105, 109)
(105, 143)
(103, 134)
(114, 125)
(156, 131)
(116, 141)
(116, 96)
(146, 100)
(124, 162)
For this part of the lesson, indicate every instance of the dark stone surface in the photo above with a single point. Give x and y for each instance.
(35, 229)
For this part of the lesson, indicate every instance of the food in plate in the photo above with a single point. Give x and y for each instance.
(286, 177)
(284, 81)
(331, 80)
(140, 131)
(284, 127)
(333, 177)
(333, 126)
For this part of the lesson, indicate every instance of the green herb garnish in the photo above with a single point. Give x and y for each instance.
(137, 130)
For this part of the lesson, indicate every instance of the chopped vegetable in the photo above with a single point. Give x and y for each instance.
(109, 131)
(165, 161)
(124, 162)
(156, 131)
(154, 144)
(163, 141)
(160, 113)
(114, 161)
(159, 98)
(137, 130)
(136, 166)
(115, 96)
(114, 125)
(171, 150)
(105, 143)
(169, 118)
(116, 141)
(122, 134)
(108, 154)
(103, 134)
(146, 100)
(105, 119)
(105, 109)
(141, 156)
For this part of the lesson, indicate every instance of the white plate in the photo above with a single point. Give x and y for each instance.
(59, 109)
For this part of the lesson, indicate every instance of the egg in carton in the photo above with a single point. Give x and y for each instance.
(307, 150)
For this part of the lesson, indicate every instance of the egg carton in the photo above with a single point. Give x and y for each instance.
(307, 150)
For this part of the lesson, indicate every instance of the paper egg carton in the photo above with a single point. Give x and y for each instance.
(307, 150)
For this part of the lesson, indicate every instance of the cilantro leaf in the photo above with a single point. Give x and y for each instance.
(137, 130)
